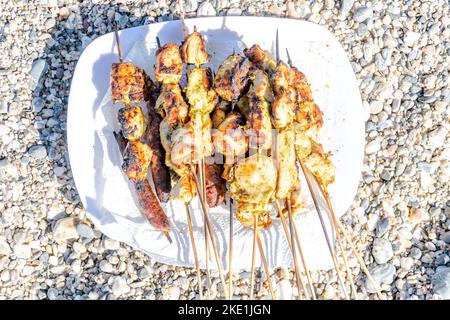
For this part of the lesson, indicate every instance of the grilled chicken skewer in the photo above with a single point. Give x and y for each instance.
(202, 100)
(130, 84)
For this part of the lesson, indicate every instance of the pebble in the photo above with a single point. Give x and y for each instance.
(381, 274)
(105, 266)
(3, 107)
(37, 152)
(85, 232)
(362, 14)
(190, 5)
(373, 147)
(441, 282)
(173, 293)
(206, 9)
(410, 38)
(382, 227)
(65, 229)
(346, 6)
(38, 68)
(5, 249)
(382, 250)
(119, 286)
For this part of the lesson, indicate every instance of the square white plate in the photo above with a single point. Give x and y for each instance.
(95, 158)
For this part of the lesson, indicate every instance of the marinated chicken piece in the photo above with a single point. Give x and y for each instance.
(280, 78)
(171, 105)
(215, 185)
(299, 82)
(136, 160)
(243, 106)
(131, 122)
(128, 83)
(185, 188)
(260, 58)
(254, 180)
(259, 122)
(168, 64)
(220, 112)
(193, 50)
(283, 108)
(309, 116)
(286, 161)
(198, 91)
(230, 139)
(182, 146)
(232, 77)
(302, 144)
(159, 170)
(201, 125)
(320, 165)
(247, 212)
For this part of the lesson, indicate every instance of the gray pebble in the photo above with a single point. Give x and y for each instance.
(382, 227)
(37, 152)
(346, 6)
(381, 274)
(441, 282)
(382, 250)
(38, 68)
(85, 232)
(362, 13)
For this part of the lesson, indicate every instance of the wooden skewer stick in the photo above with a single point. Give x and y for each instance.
(297, 269)
(194, 248)
(119, 50)
(266, 266)
(288, 238)
(210, 232)
(230, 255)
(305, 266)
(322, 222)
(349, 240)
(252, 278)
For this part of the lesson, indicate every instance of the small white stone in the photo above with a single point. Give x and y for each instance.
(22, 251)
(5, 249)
(376, 107)
(373, 147)
(65, 229)
(411, 37)
(173, 293)
(425, 180)
(119, 286)
(206, 9)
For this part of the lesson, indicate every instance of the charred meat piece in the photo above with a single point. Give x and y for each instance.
(131, 122)
(193, 50)
(215, 185)
(259, 121)
(150, 206)
(260, 58)
(320, 165)
(280, 78)
(220, 112)
(283, 108)
(136, 160)
(171, 105)
(160, 172)
(128, 83)
(232, 77)
(168, 64)
(229, 138)
(299, 82)
(309, 116)
(198, 91)
(147, 201)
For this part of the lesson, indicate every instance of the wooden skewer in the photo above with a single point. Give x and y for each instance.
(305, 266)
(119, 50)
(340, 227)
(288, 238)
(230, 255)
(194, 248)
(322, 222)
(297, 269)
(252, 279)
(209, 228)
(266, 266)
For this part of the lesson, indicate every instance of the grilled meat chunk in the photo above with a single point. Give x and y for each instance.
(287, 169)
(215, 185)
(230, 139)
(136, 160)
(160, 172)
(220, 112)
(128, 83)
(168, 64)
(131, 122)
(198, 91)
(193, 49)
(260, 57)
(232, 77)
(171, 105)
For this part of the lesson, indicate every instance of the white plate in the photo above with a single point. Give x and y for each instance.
(95, 159)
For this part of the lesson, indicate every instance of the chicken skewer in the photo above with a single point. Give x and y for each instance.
(322, 186)
(287, 170)
(130, 84)
(171, 106)
(230, 81)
